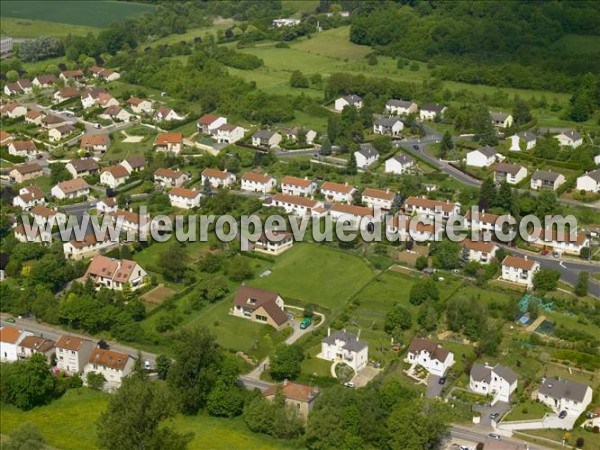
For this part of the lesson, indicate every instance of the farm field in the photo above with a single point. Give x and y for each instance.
(95, 13)
(69, 423)
(23, 28)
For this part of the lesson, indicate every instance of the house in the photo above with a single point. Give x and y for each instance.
(208, 123)
(10, 338)
(260, 305)
(34, 117)
(550, 239)
(565, 395)
(353, 214)
(131, 222)
(60, 132)
(501, 120)
(22, 86)
(597, 160)
(483, 221)
(67, 75)
(170, 177)
(31, 345)
(140, 105)
(66, 93)
(114, 273)
(135, 163)
(72, 353)
(52, 121)
(97, 97)
(6, 44)
(523, 140)
(169, 142)
(569, 138)
(302, 187)
(88, 247)
(511, 173)
(28, 197)
(32, 234)
(84, 167)
(24, 172)
(104, 74)
(44, 81)
(22, 148)
(117, 114)
(184, 198)
(434, 358)
(71, 189)
(543, 179)
(112, 365)
(228, 133)
(498, 381)
(298, 397)
(5, 138)
(377, 198)
(390, 126)
(258, 182)
(590, 181)
(164, 114)
(430, 111)
(345, 347)
(43, 215)
(401, 107)
(295, 134)
(399, 164)
(407, 228)
(266, 138)
(482, 157)
(300, 206)
(279, 23)
(336, 192)
(218, 178)
(480, 251)
(430, 208)
(348, 100)
(97, 143)
(274, 242)
(4, 259)
(366, 156)
(13, 110)
(114, 176)
(107, 205)
(519, 270)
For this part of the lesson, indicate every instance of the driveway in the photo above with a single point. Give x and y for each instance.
(500, 408)
(364, 375)
(434, 388)
(550, 421)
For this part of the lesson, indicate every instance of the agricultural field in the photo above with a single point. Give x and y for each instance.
(98, 14)
(23, 28)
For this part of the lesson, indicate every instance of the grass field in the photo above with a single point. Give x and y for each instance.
(24, 28)
(578, 44)
(94, 14)
(592, 440)
(69, 423)
(528, 410)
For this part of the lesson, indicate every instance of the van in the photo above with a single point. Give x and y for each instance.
(306, 322)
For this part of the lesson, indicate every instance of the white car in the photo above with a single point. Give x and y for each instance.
(349, 384)
(147, 365)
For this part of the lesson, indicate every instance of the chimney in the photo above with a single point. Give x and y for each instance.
(285, 382)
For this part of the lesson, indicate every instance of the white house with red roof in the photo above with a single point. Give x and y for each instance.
(434, 358)
(88, 247)
(28, 197)
(164, 114)
(95, 142)
(71, 189)
(519, 270)
(229, 133)
(170, 178)
(292, 204)
(25, 172)
(10, 337)
(131, 222)
(480, 251)
(112, 365)
(25, 149)
(13, 110)
(169, 142)
(337, 192)
(430, 208)
(218, 178)
(301, 187)
(114, 273)
(107, 205)
(140, 105)
(299, 397)
(258, 182)
(378, 198)
(72, 353)
(184, 198)
(208, 123)
(352, 214)
(408, 228)
(114, 176)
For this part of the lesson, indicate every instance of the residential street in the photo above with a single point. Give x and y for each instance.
(475, 436)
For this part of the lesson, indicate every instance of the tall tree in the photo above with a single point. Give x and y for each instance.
(285, 362)
(325, 147)
(27, 383)
(447, 145)
(521, 113)
(351, 168)
(583, 281)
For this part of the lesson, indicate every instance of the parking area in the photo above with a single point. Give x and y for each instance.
(486, 411)
(364, 375)
(434, 388)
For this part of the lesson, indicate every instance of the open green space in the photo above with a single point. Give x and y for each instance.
(528, 410)
(94, 14)
(592, 440)
(24, 28)
(581, 44)
(334, 43)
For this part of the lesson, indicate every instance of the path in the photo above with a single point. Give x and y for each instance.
(536, 323)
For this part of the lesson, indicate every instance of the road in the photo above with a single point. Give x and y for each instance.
(54, 333)
(476, 435)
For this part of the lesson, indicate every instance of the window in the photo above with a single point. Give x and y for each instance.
(261, 318)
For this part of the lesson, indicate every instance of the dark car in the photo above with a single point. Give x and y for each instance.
(416, 147)
(494, 416)
(494, 436)
(442, 380)
(562, 415)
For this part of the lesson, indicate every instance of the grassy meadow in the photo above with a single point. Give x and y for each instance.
(24, 28)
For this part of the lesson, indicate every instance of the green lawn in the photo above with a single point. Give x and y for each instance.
(592, 440)
(528, 410)
(316, 274)
(22, 28)
(69, 423)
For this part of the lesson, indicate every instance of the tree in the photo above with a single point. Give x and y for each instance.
(447, 145)
(546, 203)
(285, 362)
(352, 168)
(487, 194)
(12, 76)
(225, 400)
(418, 425)
(581, 289)
(135, 415)
(546, 280)
(273, 417)
(27, 383)
(298, 80)
(162, 366)
(422, 291)
(95, 380)
(372, 59)
(59, 173)
(239, 268)
(421, 263)
(490, 340)
(325, 149)
(521, 113)
(173, 262)
(447, 255)
(428, 317)
(26, 437)
(398, 318)
(195, 369)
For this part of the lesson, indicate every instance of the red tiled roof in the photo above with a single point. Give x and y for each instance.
(257, 177)
(207, 119)
(117, 171)
(295, 181)
(337, 187)
(261, 298)
(295, 200)
(168, 173)
(9, 334)
(293, 391)
(183, 192)
(168, 138)
(352, 209)
(518, 262)
(429, 204)
(378, 193)
(215, 173)
(70, 342)
(78, 184)
(479, 246)
(109, 358)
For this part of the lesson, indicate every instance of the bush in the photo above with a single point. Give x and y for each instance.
(579, 442)
(95, 380)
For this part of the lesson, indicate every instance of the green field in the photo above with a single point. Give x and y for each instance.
(23, 28)
(580, 44)
(82, 13)
(69, 423)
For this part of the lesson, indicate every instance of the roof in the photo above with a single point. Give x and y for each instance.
(545, 175)
(368, 151)
(351, 342)
(127, 216)
(279, 236)
(484, 217)
(168, 138)
(257, 177)
(72, 73)
(88, 241)
(378, 193)
(168, 173)
(227, 127)
(403, 159)
(506, 373)
(109, 358)
(114, 110)
(295, 200)
(263, 134)
(434, 107)
(571, 134)
(479, 246)
(337, 187)
(39, 344)
(352, 98)
(84, 165)
(46, 79)
(164, 111)
(386, 121)
(109, 201)
(207, 119)
(352, 209)
(51, 119)
(24, 146)
(293, 391)
(66, 128)
(43, 211)
(90, 140)
(136, 161)
(254, 298)
(399, 103)
(436, 351)
(136, 100)
(33, 114)
(33, 192)
(117, 171)
(118, 270)
(429, 204)
(183, 192)
(68, 92)
(561, 388)
(527, 136)
(70, 342)
(481, 372)
(499, 116)
(78, 184)
(508, 168)
(25, 169)
(594, 175)
(295, 181)
(518, 262)
(10, 335)
(487, 151)
(551, 235)
(216, 173)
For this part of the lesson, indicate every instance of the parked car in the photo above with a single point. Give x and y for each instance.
(442, 380)
(562, 414)
(416, 147)
(306, 322)
(147, 365)
(9, 320)
(349, 384)
(494, 416)
(494, 436)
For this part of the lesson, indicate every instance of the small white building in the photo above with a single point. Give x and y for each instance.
(348, 100)
(164, 114)
(293, 134)
(277, 243)
(61, 132)
(112, 365)
(170, 177)
(184, 198)
(429, 111)
(399, 163)
(378, 198)
(434, 358)
(229, 133)
(301, 187)
(389, 126)
(292, 204)
(10, 338)
(543, 179)
(482, 157)
(589, 182)
(88, 247)
(107, 205)
(169, 142)
(501, 120)
(208, 123)
(28, 197)
(430, 208)
(13, 110)
(114, 273)
(524, 140)
(401, 107)
(95, 143)
(569, 138)
(266, 138)
(71, 189)
(565, 395)
(72, 353)
(218, 178)
(25, 149)
(43, 215)
(140, 105)
(336, 192)
(511, 173)
(366, 156)
(44, 81)
(286, 22)
(258, 182)
(480, 251)
(114, 176)
(498, 381)
(117, 114)
(519, 270)
(352, 214)
(30, 345)
(135, 163)
(346, 348)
